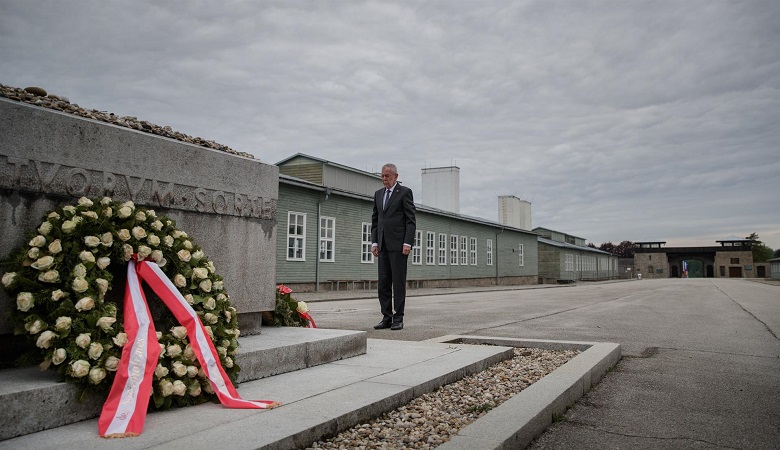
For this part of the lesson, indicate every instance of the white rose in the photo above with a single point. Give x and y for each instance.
(68, 226)
(80, 270)
(173, 350)
(166, 388)
(151, 213)
(187, 245)
(158, 334)
(205, 285)
(57, 295)
(43, 263)
(79, 285)
(128, 251)
(200, 272)
(38, 241)
(219, 285)
(105, 201)
(162, 262)
(84, 201)
(112, 363)
(87, 256)
(228, 362)
(179, 369)
(69, 209)
(179, 388)
(79, 369)
(106, 322)
(124, 212)
(189, 353)
(102, 285)
(45, 228)
(140, 216)
(197, 255)
(63, 323)
(156, 255)
(58, 357)
(192, 371)
(184, 255)
(53, 215)
(44, 340)
(160, 371)
(92, 241)
(108, 212)
(123, 234)
(85, 304)
(120, 339)
(222, 351)
(179, 332)
(228, 315)
(24, 301)
(208, 388)
(190, 299)
(210, 303)
(34, 253)
(194, 389)
(103, 262)
(83, 340)
(179, 234)
(153, 240)
(209, 331)
(157, 225)
(179, 280)
(211, 267)
(107, 239)
(302, 307)
(168, 241)
(96, 375)
(210, 318)
(35, 327)
(8, 278)
(92, 215)
(143, 252)
(139, 233)
(50, 276)
(221, 297)
(95, 350)
(55, 247)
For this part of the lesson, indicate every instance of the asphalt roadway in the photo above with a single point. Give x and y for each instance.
(700, 366)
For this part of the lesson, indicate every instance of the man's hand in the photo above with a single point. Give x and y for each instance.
(407, 249)
(375, 250)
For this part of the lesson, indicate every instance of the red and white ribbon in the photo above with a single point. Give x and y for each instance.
(124, 412)
(308, 317)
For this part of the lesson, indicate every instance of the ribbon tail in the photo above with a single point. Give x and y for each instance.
(124, 411)
(199, 340)
(307, 316)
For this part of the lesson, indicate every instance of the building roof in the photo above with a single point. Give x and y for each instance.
(583, 248)
(732, 238)
(327, 163)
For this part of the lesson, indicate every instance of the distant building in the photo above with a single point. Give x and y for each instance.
(441, 188)
(774, 268)
(565, 258)
(514, 212)
(733, 258)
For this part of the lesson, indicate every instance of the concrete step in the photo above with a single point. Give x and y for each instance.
(33, 400)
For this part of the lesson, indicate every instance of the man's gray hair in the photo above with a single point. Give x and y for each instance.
(391, 167)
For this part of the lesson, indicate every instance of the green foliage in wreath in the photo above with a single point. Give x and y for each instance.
(59, 282)
(286, 312)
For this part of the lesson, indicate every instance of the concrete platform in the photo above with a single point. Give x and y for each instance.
(322, 400)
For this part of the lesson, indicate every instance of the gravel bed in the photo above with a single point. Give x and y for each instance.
(434, 418)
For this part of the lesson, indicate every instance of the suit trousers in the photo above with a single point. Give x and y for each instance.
(392, 285)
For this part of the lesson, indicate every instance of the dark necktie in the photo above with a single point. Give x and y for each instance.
(387, 197)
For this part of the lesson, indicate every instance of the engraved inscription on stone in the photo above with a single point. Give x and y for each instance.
(31, 175)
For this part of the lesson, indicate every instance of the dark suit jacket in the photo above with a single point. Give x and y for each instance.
(396, 225)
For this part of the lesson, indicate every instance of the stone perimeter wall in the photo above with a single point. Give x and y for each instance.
(226, 203)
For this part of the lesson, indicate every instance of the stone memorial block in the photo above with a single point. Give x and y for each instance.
(226, 203)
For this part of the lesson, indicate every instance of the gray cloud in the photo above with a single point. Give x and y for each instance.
(618, 120)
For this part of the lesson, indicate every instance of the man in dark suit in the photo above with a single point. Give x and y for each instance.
(393, 226)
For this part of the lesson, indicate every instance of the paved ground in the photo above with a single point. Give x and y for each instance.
(701, 366)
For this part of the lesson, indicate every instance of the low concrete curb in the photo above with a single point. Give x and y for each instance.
(516, 422)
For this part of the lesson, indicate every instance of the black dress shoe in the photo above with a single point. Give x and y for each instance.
(382, 325)
(397, 326)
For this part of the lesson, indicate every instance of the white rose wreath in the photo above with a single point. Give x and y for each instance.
(59, 281)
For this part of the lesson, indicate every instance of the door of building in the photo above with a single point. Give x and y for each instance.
(761, 271)
(735, 272)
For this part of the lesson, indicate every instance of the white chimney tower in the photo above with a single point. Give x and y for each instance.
(441, 188)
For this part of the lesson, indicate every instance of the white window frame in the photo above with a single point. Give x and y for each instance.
(366, 253)
(489, 252)
(464, 250)
(298, 246)
(416, 250)
(442, 249)
(473, 251)
(454, 249)
(569, 262)
(430, 248)
(327, 244)
(521, 255)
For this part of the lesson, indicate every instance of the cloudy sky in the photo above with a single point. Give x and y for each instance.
(618, 120)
